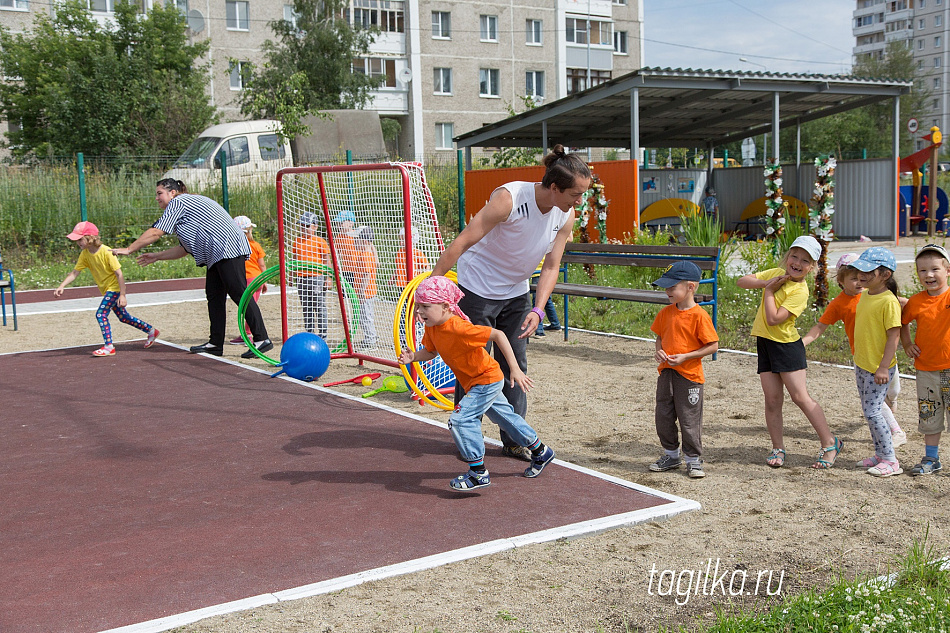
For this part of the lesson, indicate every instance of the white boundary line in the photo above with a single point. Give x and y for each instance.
(676, 505)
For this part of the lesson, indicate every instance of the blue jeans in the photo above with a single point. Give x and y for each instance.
(466, 421)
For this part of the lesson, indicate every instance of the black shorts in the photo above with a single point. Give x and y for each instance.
(778, 357)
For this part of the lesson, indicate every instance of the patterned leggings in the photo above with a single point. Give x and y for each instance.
(872, 401)
(110, 304)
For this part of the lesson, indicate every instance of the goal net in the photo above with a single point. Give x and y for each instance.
(351, 238)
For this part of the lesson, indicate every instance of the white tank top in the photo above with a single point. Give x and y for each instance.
(500, 264)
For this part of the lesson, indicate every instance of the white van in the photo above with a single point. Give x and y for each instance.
(253, 150)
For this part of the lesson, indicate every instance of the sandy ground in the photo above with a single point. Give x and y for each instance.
(593, 402)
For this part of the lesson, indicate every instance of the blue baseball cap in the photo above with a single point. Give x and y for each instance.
(345, 216)
(677, 272)
(874, 258)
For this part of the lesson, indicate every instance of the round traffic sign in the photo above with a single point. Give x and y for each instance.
(912, 125)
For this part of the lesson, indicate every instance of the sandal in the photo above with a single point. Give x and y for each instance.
(869, 462)
(470, 481)
(776, 458)
(104, 351)
(823, 464)
(885, 469)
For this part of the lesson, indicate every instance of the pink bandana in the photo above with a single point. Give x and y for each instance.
(440, 290)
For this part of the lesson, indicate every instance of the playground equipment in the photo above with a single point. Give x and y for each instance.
(753, 214)
(913, 163)
(304, 356)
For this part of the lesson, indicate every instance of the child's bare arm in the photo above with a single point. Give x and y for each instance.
(910, 348)
(816, 330)
(70, 278)
(881, 376)
(773, 313)
(751, 282)
(518, 377)
(421, 355)
(678, 359)
(123, 300)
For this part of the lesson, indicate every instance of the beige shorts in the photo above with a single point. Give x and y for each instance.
(933, 400)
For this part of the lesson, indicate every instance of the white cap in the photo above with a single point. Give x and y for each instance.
(243, 222)
(808, 244)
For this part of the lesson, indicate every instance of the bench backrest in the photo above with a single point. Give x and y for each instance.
(645, 256)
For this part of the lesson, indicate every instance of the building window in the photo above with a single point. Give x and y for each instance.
(920, 45)
(442, 81)
(938, 20)
(385, 15)
(443, 135)
(238, 73)
(620, 42)
(441, 25)
(488, 25)
(100, 6)
(938, 42)
(578, 31)
(377, 67)
(237, 16)
(866, 20)
(533, 31)
(936, 82)
(16, 5)
(936, 62)
(577, 79)
(534, 84)
(921, 23)
(921, 4)
(488, 80)
(920, 64)
(936, 103)
(620, 2)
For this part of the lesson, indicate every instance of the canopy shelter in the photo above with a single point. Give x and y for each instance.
(667, 107)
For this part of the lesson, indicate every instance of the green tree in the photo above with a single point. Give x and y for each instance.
(310, 67)
(134, 88)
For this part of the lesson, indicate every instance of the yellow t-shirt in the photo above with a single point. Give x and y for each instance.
(793, 296)
(874, 316)
(102, 264)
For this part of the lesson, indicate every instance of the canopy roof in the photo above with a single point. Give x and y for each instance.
(674, 107)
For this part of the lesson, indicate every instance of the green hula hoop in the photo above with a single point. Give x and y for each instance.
(295, 266)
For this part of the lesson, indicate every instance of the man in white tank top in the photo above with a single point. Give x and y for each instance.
(498, 252)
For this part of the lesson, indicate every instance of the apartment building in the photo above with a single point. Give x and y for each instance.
(448, 66)
(922, 26)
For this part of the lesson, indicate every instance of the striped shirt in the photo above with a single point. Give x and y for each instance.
(204, 229)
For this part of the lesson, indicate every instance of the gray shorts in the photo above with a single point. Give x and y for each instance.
(933, 401)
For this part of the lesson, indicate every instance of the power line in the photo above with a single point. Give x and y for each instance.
(790, 30)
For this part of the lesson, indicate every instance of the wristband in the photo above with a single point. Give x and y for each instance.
(539, 312)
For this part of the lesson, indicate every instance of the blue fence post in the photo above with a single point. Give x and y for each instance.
(223, 157)
(80, 167)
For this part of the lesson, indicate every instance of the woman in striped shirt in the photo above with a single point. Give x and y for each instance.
(206, 232)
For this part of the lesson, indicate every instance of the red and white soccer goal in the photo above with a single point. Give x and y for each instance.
(394, 202)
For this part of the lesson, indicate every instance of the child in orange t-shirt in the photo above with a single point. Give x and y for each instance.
(420, 263)
(684, 334)
(310, 247)
(253, 267)
(367, 263)
(844, 308)
(461, 344)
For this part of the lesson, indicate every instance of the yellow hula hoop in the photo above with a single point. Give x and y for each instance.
(406, 301)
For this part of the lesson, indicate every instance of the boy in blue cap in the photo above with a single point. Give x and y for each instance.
(684, 334)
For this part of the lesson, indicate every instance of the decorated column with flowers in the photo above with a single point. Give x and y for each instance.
(774, 210)
(593, 204)
(822, 209)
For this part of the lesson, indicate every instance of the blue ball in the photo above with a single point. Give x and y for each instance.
(304, 356)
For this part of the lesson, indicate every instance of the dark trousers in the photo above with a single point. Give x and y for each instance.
(505, 315)
(679, 398)
(226, 279)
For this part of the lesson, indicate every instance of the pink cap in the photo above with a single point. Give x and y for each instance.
(83, 228)
(846, 260)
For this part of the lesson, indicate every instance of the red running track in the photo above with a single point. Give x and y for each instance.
(156, 482)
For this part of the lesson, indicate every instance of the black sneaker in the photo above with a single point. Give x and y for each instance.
(552, 328)
(666, 463)
(263, 346)
(517, 452)
(207, 348)
(539, 462)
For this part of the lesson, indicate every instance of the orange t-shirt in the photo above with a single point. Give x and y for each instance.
(683, 331)
(310, 249)
(933, 329)
(462, 346)
(346, 253)
(419, 264)
(842, 308)
(251, 268)
(366, 260)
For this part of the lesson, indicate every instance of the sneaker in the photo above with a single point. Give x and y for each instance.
(666, 463)
(470, 481)
(517, 452)
(263, 346)
(885, 469)
(237, 340)
(152, 335)
(207, 348)
(695, 470)
(898, 438)
(539, 332)
(927, 466)
(552, 328)
(539, 462)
